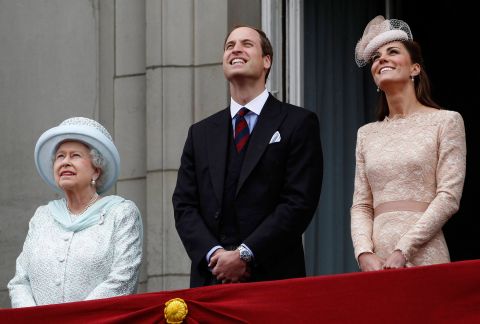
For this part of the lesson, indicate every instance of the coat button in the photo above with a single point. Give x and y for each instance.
(58, 282)
(217, 214)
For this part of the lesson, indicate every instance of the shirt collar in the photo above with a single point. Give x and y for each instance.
(256, 105)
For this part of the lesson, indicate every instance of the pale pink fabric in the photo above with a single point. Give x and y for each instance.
(419, 157)
(405, 205)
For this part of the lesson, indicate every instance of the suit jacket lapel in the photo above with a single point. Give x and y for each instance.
(217, 145)
(268, 122)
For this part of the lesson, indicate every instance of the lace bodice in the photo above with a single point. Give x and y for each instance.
(418, 157)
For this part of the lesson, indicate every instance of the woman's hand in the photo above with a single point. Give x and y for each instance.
(396, 260)
(370, 262)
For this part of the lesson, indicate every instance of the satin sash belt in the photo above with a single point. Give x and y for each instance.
(401, 205)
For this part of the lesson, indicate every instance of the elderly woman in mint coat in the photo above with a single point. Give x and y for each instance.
(86, 245)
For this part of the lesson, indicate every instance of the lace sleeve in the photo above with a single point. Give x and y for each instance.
(450, 176)
(362, 206)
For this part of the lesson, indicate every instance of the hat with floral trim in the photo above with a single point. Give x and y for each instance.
(86, 131)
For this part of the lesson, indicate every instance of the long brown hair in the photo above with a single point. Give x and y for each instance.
(422, 83)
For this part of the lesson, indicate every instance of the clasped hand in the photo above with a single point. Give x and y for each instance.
(372, 262)
(227, 266)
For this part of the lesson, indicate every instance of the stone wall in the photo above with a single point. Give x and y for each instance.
(146, 69)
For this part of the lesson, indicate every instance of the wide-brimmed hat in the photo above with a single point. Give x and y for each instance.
(87, 131)
(380, 31)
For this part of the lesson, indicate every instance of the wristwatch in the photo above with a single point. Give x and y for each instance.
(245, 255)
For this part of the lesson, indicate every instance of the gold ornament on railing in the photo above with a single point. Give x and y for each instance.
(175, 311)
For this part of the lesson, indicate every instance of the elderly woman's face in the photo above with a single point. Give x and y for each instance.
(72, 167)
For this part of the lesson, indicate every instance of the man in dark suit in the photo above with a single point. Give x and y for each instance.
(250, 179)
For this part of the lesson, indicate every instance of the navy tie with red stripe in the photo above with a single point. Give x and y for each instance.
(242, 133)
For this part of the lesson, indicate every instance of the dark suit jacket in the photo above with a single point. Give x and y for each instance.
(276, 197)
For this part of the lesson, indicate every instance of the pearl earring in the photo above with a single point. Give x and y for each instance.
(93, 182)
(378, 89)
(413, 78)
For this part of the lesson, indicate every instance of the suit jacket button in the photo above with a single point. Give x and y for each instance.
(217, 214)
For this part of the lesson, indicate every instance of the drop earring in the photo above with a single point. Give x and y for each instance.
(413, 79)
(93, 182)
(378, 89)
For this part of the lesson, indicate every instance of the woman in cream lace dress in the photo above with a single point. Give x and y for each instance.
(410, 164)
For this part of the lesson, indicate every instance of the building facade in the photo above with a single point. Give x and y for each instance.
(147, 70)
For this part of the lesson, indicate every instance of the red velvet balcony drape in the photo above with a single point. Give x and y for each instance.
(447, 293)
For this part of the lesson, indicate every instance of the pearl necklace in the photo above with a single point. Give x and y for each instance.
(90, 203)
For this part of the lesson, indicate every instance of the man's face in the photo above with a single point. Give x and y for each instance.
(242, 56)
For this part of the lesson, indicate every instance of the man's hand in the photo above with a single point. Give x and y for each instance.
(228, 267)
(214, 257)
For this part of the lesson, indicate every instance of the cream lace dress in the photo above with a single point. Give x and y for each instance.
(420, 158)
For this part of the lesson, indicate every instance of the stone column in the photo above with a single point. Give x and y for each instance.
(122, 97)
(185, 83)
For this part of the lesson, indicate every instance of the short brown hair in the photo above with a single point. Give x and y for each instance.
(267, 48)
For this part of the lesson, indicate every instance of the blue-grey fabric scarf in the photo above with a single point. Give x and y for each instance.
(93, 215)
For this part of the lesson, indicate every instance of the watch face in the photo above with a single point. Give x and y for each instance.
(244, 255)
